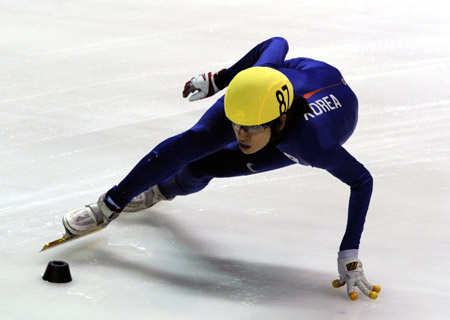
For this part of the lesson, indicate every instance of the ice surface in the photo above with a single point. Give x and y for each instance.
(89, 87)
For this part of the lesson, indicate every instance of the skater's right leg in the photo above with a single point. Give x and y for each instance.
(211, 133)
(93, 216)
(229, 162)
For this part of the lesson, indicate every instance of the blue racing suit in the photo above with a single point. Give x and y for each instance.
(185, 163)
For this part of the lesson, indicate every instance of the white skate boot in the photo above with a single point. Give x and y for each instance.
(91, 217)
(145, 200)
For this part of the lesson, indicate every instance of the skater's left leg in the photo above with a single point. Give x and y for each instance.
(229, 162)
(195, 176)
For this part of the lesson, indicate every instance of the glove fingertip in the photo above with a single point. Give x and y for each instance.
(336, 284)
(194, 97)
(199, 95)
(373, 295)
(186, 92)
(353, 296)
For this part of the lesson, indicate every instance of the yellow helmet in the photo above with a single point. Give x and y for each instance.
(258, 95)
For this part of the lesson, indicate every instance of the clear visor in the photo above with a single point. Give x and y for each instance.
(250, 129)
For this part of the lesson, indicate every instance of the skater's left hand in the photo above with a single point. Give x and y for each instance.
(351, 273)
(202, 86)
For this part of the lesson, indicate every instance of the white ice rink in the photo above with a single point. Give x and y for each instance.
(89, 87)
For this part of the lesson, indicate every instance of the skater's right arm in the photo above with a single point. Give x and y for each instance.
(269, 53)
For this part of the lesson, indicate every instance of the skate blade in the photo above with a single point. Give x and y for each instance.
(66, 238)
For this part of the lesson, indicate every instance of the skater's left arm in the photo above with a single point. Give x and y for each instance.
(345, 167)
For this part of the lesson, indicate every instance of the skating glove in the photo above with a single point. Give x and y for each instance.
(351, 273)
(203, 86)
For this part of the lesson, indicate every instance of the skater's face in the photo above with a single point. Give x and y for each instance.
(252, 139)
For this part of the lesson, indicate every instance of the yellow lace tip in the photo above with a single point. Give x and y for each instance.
(376, 288)
(353, 296)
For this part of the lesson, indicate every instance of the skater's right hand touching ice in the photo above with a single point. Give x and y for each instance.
(351, 273)
(202, 86)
